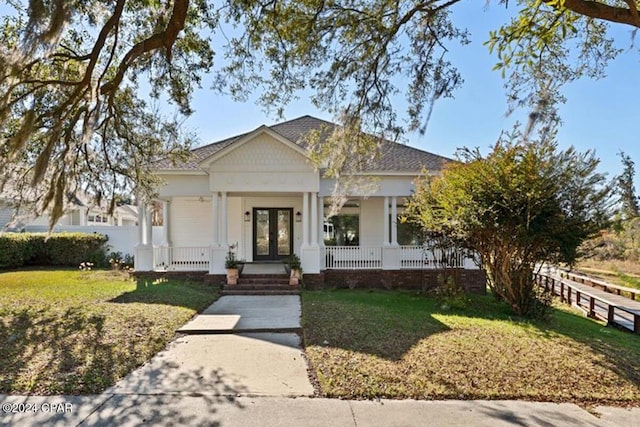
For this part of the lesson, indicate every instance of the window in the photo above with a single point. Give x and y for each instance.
(342, 230)
(408, 233)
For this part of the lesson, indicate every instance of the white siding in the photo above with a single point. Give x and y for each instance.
(371, 221)
(191, 222)
(5, 216)
(184, 185)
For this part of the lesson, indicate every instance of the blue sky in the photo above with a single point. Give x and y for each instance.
(600, 115)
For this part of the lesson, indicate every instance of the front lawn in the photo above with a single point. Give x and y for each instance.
(398, 345)
(75, 332)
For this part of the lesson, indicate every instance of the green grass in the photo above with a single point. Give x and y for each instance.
(401, 345)
(74, 332)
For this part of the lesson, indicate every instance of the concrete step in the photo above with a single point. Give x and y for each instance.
(260, 292)
(263, 281)
(261, 286)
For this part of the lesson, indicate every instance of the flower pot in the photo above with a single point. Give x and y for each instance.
(232, 276)
(294, 278)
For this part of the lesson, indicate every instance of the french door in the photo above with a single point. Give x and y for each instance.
(272, 233)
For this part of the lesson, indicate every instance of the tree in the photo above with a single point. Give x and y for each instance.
(626, 190)
(524, 204)
(72, 114)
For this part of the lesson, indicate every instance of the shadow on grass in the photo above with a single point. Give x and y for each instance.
(389, 324)
(194, 295)
(383, 323)
(45, 351)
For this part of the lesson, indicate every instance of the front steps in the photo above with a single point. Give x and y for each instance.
(261, 284)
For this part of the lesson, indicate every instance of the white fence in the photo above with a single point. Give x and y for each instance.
(404, 257)
(181, 258)
(353, 257)
(423, 257)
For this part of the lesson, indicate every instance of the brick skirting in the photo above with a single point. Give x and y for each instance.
(473, 281)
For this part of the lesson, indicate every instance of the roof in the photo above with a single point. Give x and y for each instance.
(395, 157)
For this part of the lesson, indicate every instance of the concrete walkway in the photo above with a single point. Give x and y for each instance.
(237, 314)
(229, 410)
(227, 353)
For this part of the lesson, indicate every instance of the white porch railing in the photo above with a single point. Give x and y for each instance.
(352, 257)
(168, 258)
(423, 257)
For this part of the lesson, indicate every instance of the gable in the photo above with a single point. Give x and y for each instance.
(262, 161)
(261, 153)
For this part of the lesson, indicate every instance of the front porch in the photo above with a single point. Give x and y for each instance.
(405, 257)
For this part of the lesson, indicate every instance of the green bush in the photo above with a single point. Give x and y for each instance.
(58, 249)
(16, 250)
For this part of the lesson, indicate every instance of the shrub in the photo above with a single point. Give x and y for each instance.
(59, 249)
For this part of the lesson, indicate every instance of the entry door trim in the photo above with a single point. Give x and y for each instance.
(273, 231)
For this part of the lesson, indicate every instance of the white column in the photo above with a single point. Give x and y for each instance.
(141, 220)
(224, 241)
(148, 230)
(394, 221)
(215, 220)
(314, 219)
(165, 223)
(386, 221)
(321, 221)
(305, 219)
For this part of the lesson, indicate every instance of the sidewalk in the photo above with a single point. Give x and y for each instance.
(231, 411)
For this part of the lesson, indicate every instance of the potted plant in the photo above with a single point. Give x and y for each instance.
(293, 265)
(231, 264)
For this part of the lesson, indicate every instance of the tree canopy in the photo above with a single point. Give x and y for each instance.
(74, 75)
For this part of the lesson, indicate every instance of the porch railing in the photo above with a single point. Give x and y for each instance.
(352, 257)
(416, 256)
(169, 258)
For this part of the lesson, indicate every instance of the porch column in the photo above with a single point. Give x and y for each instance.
(218, 250)
(215, 239)
(385, 223)
(305, 219)
(310, 252)
(141, 220)
(321, 221)
(148, 226)
(224, 241)
(314, 219)
(165, 223)
(394, 221)
(143, 250)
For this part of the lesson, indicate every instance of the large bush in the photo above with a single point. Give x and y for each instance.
(525, 203)
(58, 249)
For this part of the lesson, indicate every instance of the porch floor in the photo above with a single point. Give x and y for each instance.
(263, 268)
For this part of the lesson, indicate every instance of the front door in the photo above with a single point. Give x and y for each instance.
(272, 233)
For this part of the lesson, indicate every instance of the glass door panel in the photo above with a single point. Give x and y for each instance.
(262, 239)
(284, 232)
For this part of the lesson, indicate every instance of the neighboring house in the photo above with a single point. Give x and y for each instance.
(82, 211)
(6, 213)
(259, 190)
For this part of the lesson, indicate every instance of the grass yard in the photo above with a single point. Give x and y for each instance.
(78, 332)
(364, 344)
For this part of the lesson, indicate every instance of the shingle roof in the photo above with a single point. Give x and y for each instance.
(395, 157)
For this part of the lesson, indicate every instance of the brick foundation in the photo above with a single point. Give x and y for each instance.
(473, 281)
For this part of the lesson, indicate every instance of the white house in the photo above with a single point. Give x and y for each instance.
(259, 190)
